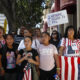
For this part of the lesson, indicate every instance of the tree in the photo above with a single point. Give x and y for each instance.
(21, 12)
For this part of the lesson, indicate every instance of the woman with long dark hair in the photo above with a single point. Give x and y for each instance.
(55, 38)
(70, 45)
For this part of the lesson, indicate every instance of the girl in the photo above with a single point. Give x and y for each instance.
(8, 53)
(70, 45)
(48, 55)
(28, 58)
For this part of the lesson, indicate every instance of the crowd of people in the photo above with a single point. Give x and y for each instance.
(37, 52)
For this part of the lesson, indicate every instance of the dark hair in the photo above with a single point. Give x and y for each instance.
(56, 34)
(9, 35)
(66, 31)
(45, 33)
(28, 37)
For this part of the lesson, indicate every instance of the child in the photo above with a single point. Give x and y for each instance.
(48, 56)
(8, 59)
(28, 58)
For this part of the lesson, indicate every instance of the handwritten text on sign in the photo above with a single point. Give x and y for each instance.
(57, 18)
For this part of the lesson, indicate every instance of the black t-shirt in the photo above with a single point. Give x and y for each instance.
(8, 59)
(33, 54)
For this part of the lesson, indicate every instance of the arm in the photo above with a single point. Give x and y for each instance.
(61, 49)
(57, 63)
(20, 60)
(1, 68)
(0, 61)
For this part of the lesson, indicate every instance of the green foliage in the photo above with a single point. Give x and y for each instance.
(28, 12)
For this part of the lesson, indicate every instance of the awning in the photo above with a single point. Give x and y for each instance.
(70, 5)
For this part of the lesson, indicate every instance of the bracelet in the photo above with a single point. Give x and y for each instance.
(58, 68)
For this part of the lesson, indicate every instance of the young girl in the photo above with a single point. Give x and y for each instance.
(48, 56)
(28, 58)
(8, 59)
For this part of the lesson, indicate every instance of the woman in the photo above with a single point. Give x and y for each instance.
(8, 58)
(70, 45)
(27, 32)
(28, 58)
(55, 39)
(48, 55)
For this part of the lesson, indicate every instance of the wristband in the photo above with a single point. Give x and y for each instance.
(58, 68)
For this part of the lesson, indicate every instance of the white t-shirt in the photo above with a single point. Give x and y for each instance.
(35, 44)
(70, 47)
(46, 54)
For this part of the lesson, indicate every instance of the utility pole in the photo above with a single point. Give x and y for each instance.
(78, 14)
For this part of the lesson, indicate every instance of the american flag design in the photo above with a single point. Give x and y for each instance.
(70, 68)
(68, 46)
(27, 72)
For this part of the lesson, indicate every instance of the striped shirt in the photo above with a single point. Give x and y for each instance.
(70, 47)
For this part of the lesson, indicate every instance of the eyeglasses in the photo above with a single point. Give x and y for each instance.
(54, 33)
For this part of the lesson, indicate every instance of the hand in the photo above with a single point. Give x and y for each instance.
(25, 57)
(2, 72)
(58, 72)
(30, 60)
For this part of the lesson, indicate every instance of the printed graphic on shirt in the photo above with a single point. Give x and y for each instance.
(10, 60)
(29, 54)
(70, 47)
(70, 50)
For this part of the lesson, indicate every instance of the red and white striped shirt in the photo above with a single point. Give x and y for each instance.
(70, 47)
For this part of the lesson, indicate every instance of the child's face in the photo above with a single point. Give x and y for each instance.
(9, 40)
(27, 42)
(45, 38)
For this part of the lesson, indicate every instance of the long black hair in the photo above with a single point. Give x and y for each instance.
(57, 33)
(66, 31)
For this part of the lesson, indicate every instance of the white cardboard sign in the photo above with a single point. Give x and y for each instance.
(57, 18)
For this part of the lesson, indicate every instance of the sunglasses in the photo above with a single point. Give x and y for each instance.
(54, 33)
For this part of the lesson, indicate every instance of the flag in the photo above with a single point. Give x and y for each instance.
(5, 25)
(70, 68)
(27, 72)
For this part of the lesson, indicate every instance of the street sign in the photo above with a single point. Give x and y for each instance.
(57, 18)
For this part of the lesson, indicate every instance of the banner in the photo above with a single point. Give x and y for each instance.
(57, 18)
(70, 68)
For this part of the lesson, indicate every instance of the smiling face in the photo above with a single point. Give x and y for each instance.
(9, 40)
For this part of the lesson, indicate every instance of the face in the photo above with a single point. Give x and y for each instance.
(71, 32)
(45, 38)
(26, 33)
(1, 32)
(27, 42)
(9, 40)
(37, 32)
(54, 35)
